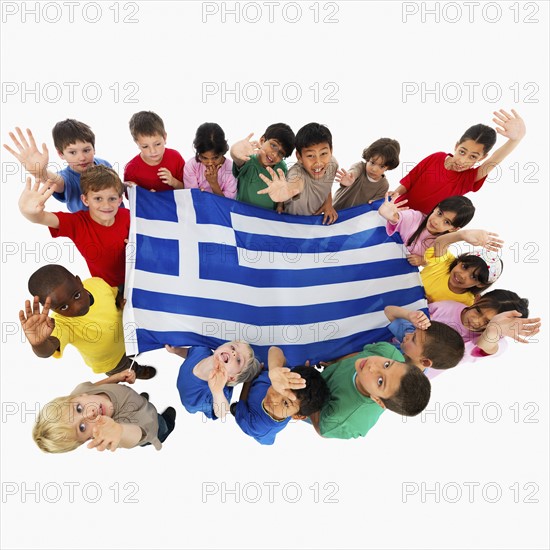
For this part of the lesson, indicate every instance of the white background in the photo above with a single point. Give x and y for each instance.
(368, 52)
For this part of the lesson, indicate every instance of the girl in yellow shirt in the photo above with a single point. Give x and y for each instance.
(461, 278)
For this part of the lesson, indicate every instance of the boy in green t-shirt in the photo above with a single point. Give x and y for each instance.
(363, 384)
(251, 158)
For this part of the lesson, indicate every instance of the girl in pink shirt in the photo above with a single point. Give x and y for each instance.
(497, 314)
(209, 170)
(419, 231)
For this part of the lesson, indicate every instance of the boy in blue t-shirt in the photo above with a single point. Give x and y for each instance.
(268, 408)
(75, 144)
(225, 367)
(424, 343)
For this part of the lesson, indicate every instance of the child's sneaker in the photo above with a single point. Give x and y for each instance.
(144, 372)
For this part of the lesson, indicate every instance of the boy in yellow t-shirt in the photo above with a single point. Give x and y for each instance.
(85, 315)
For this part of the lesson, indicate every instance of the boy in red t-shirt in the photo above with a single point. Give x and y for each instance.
(155, 168)
(99, 233)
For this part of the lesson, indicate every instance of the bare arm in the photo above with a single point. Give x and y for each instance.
(315, 419)
(509, 126)
(475, 237)
(400, 190)
(417, 318)
(128, 376)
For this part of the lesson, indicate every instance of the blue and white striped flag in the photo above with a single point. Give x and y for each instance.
(203, 269)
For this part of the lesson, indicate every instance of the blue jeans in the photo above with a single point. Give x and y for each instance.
(164, 431)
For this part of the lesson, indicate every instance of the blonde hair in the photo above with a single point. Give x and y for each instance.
(250, 370)
(53, 432)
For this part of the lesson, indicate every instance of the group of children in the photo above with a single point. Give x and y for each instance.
(345, 400)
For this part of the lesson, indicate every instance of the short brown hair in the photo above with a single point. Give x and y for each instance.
(443, 346)
(146, 123)
(70, 131)
(98, 178)
(386, 148)
(413, 394)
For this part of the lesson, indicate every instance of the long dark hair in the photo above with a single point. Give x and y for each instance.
(480, 133)
(461, 206)
(501, 301)
(481, 270)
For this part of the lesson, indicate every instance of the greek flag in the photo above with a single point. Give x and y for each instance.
(203, 269)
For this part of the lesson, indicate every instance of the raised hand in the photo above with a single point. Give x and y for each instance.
(37, 326)
(344, 178)
(510, 126)
(33, 199)
(511, 324)
(277, 187)
(283, 380)
(217, 379)
(34, 161)
(486, 239)
(390, 210)
(106, 434)
(245, 148)
(419, 319)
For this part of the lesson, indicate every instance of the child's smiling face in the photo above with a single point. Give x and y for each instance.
(463, 278)
(465, 156)
(103, 205)
(440, 222)
(234, 356)
(315, 159)
(271, 152)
